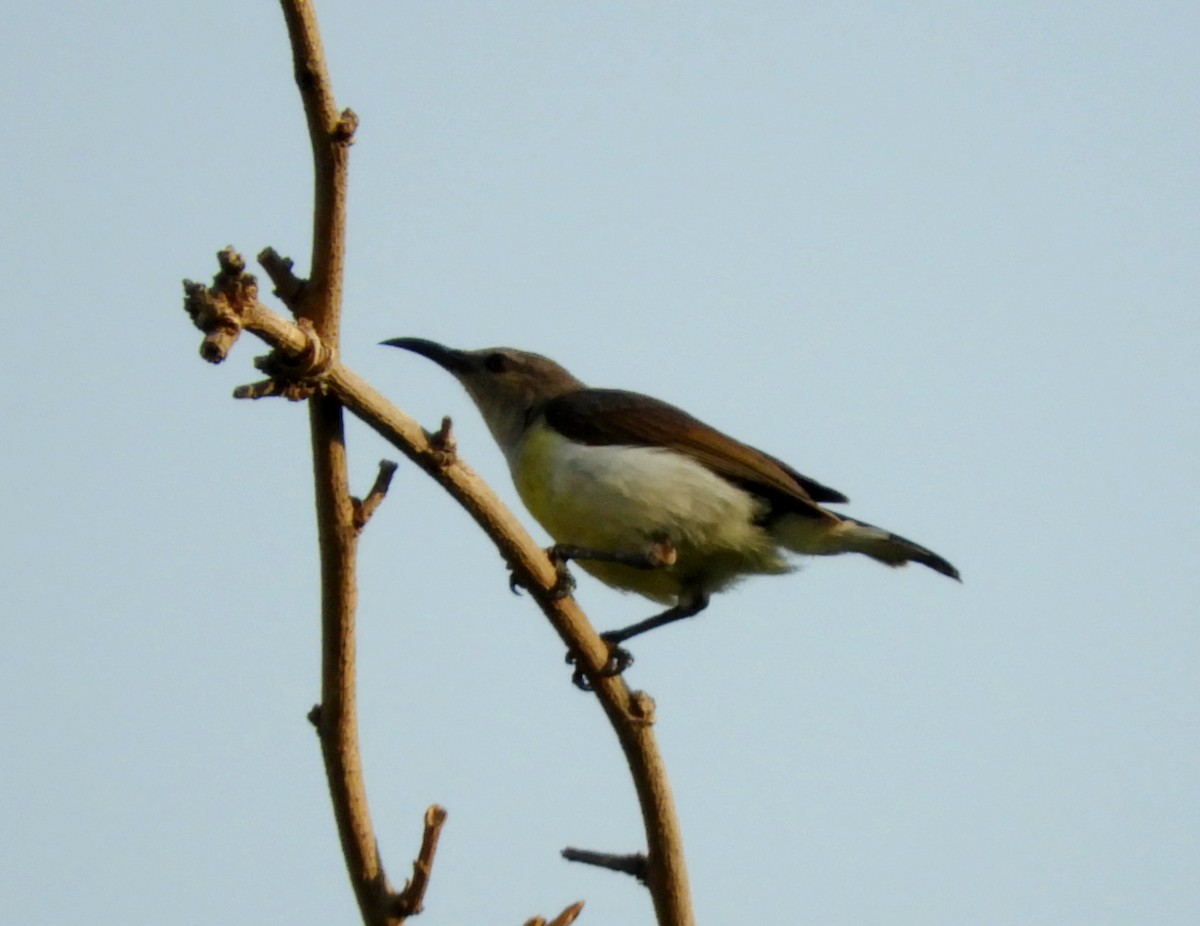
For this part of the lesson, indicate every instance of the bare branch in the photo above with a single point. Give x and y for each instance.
(627, 864)
(630, 713)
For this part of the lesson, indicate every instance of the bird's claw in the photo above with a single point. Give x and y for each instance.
(564, 582)
(619, 659)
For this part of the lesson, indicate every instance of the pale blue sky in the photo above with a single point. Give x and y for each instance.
(942, 257)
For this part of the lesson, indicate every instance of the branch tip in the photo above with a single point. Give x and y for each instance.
(230, 261)
(568, 915)
(288, 287)
(259, 390)
(219, 310)
(435, 816)
(565, 918)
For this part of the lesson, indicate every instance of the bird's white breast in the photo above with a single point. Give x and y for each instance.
(622, 499)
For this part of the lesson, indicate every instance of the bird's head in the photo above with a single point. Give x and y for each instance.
(509, 386)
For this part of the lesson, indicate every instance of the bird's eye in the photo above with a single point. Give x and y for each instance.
(496, 363)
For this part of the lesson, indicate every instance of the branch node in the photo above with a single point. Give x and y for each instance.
(219, 310)
(409, 902)
(344, 129)
(366, 507)
(299, 375)
(636, 864)
(232, 263)
(443, 445)
(314, 717)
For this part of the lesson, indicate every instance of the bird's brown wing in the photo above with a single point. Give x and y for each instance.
(601, 417)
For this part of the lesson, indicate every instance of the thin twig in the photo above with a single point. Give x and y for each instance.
(410, 900)
(626, 864)
(262, 389)
(566, 918)
(365, 508)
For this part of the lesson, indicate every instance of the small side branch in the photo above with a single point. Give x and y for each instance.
(443, 443)
(288, 287)
(566, 918)
(410, 901)
(635, 864)
(366, 507)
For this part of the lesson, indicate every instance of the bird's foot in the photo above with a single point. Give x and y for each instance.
(564, 582)
(619, 659)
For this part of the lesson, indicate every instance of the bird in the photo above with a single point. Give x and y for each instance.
(647, 498)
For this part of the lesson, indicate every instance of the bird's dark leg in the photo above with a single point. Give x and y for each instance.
(619, 658)
(689, 607)
(659, 554)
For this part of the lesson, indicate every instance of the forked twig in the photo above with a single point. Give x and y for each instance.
(634, 864)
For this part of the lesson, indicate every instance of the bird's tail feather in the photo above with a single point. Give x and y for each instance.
(821, 538)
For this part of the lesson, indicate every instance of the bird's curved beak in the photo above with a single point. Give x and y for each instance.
(449, 359)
